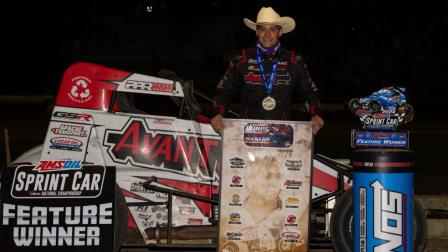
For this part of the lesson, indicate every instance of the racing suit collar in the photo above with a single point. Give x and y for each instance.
(269, 51)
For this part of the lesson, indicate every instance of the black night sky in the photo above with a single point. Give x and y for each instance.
(352, 48)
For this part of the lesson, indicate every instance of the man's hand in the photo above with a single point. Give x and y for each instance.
(217, 123)
(316, 123)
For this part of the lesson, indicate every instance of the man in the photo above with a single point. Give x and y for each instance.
(266, 77)
(261, 221)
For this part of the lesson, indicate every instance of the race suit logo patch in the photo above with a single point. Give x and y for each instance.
(388, 214)
(166, 150)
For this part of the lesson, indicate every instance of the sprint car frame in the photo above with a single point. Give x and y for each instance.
(168, 167)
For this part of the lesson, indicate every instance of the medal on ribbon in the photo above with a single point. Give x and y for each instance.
(268, 102)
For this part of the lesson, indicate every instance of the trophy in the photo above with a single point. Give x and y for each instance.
(381, 113)
(383, 176)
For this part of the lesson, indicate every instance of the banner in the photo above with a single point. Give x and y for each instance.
(265, 187)
(57, 206)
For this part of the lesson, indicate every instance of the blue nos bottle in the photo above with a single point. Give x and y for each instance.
(383, 198)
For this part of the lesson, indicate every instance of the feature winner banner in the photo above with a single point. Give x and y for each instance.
(57, 205)
(265, 186)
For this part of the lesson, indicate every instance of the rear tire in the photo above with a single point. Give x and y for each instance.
(341, 224)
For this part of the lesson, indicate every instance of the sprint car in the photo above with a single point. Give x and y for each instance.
(167, 166)
(383, 109)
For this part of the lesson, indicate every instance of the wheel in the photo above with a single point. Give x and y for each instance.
(353, 104)
(121, 219)
(421, 227)
(408, 112)
(375, 106)
(341, 224)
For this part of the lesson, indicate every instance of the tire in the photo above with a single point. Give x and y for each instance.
(375, 106)
(421, 227)
(353, 104)
(408, 113)
(121, 219)
(341, 224)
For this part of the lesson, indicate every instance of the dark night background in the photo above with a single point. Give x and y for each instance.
(352, 49)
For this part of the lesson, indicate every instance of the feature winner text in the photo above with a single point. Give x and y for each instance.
(56, 226)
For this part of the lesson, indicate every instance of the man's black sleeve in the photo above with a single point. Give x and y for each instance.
(228, 87)
(305, 86)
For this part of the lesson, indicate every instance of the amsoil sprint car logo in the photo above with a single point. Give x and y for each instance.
(66, 180)
(57, 165)
(167, 150)
(381, 123)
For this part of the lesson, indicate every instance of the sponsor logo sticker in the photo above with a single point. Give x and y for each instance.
(70, 130)
(293, 165)
(58, 179)
(65, 143)
(80, 91)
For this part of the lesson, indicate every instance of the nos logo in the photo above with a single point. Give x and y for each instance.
(388, 217)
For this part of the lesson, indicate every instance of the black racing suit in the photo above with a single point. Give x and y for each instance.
(243, 79)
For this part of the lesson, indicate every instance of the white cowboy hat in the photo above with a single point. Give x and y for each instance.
(267, 15)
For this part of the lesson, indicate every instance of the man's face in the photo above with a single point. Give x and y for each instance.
(268, 35)
(266, 182)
